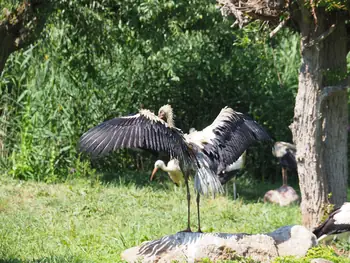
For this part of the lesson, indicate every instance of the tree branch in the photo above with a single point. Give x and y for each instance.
(329, 91)
(279, 27)
(246, 10)
(321, 37)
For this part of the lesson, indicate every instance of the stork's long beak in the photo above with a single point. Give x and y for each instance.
(154, 172)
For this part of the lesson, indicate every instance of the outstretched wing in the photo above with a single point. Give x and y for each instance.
(228, 137)
(143, 130)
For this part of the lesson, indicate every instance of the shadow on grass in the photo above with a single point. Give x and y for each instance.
(119, 169)
(248, 189)
(138, 179)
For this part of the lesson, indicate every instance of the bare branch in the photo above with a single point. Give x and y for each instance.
(279, 27)
(329, 91)
(320, 38)
(246, 10)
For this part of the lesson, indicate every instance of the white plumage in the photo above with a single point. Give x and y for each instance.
(172, 168)
(237, 165)
(207, 135)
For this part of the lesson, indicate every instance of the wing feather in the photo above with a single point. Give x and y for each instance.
(230, 134)
(143, 130)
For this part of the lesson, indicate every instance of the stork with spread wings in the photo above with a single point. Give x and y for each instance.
(209, 151)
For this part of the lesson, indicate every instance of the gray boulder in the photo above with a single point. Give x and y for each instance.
(192, 247)
(293, 240)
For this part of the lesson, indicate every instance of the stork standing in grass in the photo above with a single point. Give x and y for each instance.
(208, 152)
(176, 176)
(285, 152)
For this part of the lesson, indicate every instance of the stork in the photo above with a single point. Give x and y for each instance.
(285, 152)
(209, 151)
(176, 176)
(337, 225)
(172, 168)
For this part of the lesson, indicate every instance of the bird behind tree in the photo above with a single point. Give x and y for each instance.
(285, 152)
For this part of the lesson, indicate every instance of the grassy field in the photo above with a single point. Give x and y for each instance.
(84, 221)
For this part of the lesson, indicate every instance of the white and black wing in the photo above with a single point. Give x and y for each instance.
(337, 222)
(228, 137)
(143, 131)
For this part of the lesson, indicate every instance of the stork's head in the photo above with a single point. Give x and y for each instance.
(280, 149)
(166, 114)
(158, 164)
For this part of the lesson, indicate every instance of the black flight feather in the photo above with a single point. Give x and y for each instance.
(232, 138)
(137, 131)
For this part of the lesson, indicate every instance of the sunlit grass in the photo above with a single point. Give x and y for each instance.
(83, 221)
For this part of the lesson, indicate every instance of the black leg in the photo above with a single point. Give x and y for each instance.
(199, 221)
(284, 176)
(188, 204)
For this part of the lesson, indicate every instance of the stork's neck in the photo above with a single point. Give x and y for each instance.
(170, 121)
(169, 118)
(166, 114)
(163, 167)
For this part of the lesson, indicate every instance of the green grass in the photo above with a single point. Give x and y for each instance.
(83, 221)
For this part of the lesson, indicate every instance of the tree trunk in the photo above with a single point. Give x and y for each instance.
(22, 27)
(320, 115)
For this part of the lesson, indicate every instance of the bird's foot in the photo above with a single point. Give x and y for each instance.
(188, 230)
(199, 230)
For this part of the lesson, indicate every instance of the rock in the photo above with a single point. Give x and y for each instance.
(293, 240)
(320, 260)
(285, 195)
(192, 247)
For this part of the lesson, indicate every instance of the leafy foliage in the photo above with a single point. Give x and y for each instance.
(100, 60)
(333, 5)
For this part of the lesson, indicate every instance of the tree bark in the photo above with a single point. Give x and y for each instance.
(21, 27)
(320, 115)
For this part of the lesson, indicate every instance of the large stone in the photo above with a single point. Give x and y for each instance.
(192, 247)
(284, 195)
(293, 240)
